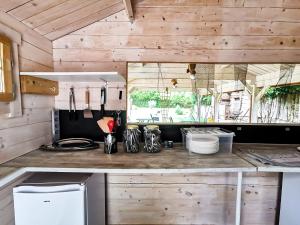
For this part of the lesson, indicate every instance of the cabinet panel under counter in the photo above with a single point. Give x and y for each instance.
(199, 198)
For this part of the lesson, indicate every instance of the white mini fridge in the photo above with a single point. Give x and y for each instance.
(60, 199)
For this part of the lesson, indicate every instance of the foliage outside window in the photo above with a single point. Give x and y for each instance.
(280, 104)
(6, 84)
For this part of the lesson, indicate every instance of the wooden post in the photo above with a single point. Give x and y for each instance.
(255, 98)
(238, 199)
(128, 9)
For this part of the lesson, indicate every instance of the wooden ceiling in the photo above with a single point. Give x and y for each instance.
(56, 18)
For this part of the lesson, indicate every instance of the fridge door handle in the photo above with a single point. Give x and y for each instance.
(49, 189)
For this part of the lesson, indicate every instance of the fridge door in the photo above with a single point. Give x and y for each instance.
(59, 205)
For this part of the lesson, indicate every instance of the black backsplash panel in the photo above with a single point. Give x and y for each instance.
(86, 128)
(243, 133)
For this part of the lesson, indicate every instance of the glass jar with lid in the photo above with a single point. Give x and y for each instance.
(131, 139)
(152, 138)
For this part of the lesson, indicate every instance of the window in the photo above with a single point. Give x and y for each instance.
(213, 93)
(6, 84)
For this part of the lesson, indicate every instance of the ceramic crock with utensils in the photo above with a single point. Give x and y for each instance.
(110, 143)
(107, 125)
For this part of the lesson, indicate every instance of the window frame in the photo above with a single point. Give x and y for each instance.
(8, 94)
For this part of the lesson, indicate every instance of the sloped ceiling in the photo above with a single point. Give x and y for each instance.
(56, 18)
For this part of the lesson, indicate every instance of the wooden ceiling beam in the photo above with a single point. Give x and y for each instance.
(128, 9)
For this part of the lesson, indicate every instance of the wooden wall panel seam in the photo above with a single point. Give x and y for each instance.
(192, 28)
(15, 4)
(46, 67)
(224, 3)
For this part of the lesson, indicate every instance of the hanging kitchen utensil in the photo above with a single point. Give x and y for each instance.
(87, 113)
(120, 95)
(72, 105)
(103, 100)
(118, 112)
(118, 119)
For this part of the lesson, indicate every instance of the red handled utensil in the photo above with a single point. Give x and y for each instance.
(111, 125)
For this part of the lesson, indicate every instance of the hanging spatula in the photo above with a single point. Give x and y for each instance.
(103, 101)
(87, 113)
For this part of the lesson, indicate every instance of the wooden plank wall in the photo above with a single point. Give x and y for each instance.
(191, 199)
(22, 134)
(35, 52)
(185, 31)
(6, 201)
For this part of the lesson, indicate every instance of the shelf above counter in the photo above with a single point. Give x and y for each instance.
(78, 76)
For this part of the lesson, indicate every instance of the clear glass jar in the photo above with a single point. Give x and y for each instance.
(152, 138)
(131, 139)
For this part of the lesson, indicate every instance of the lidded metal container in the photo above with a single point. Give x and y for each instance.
(131, 139)
(152, 138)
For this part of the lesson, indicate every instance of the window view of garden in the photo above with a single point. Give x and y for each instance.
(213, 93)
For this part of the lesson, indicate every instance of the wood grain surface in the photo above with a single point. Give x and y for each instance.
(56, 18)
(4, 171)
(185, 31)
(176, 159)
(35, 51)
(278, 153)
(200, 198)
(23, 134)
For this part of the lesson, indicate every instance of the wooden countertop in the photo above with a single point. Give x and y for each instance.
(4, 171)
(8, 174)
(175, 160)
(282, 153)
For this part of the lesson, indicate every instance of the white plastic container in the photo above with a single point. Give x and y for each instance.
(225, 136)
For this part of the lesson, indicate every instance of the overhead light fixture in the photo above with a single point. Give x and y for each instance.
(192, 77)
(174, 83)
(192, 70)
